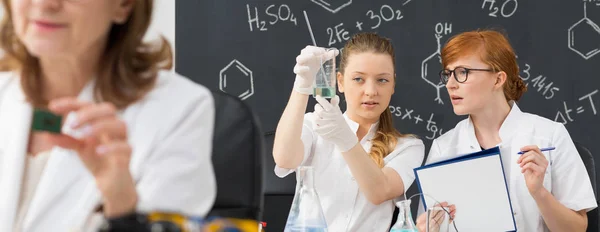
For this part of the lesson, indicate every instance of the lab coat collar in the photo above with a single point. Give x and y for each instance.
(508, 128)
(354, 127)
(512, 123)
(15, 120)
(65, 192)
(64, 173)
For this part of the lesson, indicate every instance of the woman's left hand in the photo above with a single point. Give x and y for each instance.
(331, 125)
(533, 164)
(103, 149)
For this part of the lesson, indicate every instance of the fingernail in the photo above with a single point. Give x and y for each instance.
(101, 149)
(87, 130)
(74, 121)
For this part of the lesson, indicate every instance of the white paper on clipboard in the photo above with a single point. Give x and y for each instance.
(475, 184)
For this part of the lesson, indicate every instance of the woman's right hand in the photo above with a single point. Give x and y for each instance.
(308, 64)
(436, 218)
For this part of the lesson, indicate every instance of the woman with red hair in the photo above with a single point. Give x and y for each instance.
(549, 190)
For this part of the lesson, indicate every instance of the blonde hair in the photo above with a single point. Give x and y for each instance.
(128, 67)
(386, 138)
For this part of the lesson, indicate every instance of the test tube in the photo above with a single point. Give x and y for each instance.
(325, 81)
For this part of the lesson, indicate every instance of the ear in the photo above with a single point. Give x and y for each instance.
(500, 79)
(340, 82)
(123, 11)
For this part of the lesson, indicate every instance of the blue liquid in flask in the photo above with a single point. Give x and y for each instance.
(325, 80)
(404, 223)
(306, 214)
(305, 229)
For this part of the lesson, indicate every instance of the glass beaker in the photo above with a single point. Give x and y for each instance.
(404, 223)
(306, 214)
(325, 81)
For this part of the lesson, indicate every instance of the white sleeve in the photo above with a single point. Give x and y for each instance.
(571, 184)
(407, 156)
(178, 174)
(308, 138)
(434, 153)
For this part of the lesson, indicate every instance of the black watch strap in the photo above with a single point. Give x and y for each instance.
(133, 222)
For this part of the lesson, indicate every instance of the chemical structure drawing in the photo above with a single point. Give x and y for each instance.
(430, 68)
(584, 36)
(240, 80)
(333, 5)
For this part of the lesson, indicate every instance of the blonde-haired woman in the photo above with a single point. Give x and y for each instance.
(361, 161)
(120, 152)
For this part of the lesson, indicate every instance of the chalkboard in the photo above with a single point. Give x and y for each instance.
(248, 48)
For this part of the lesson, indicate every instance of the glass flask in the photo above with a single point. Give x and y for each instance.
(404, 223)
(306, 214)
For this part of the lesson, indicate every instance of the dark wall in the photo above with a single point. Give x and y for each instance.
(248, 48)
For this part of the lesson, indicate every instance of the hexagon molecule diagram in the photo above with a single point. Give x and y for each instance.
(430, 70)
(333, 5)
(584, 37)
(236, 79)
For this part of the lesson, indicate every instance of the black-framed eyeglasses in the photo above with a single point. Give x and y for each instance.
(460, 74)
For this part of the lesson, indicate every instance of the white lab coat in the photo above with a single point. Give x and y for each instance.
(345, 207)
(170, 131)
(566, 177)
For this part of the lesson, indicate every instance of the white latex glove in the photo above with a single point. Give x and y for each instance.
(331, 125)
(308, 63)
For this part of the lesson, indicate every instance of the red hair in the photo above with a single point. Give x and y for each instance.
(494, 50)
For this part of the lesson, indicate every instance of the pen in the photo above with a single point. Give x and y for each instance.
(543, 149)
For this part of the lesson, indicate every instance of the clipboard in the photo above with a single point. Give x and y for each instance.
(475, 183)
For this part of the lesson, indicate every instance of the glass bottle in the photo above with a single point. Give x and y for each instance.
(404, 223)
(306, 214)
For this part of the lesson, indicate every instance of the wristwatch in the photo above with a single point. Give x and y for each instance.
(130, 222)
(136, 222)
